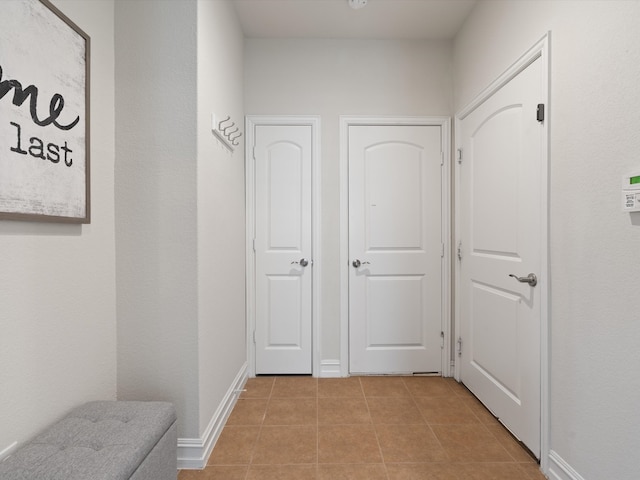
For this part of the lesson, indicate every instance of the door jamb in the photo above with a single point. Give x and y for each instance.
(540, 50)
(445, 123)
(251, 122)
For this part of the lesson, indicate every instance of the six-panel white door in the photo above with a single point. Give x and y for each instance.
(500, 223)
(283, 250)
(395, 249)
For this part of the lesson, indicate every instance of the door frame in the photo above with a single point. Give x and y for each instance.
(251, 122)
(370, 120)
(541, 50)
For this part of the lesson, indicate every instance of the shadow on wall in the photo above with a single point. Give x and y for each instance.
(45, 229)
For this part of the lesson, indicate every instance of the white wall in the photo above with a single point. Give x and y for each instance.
(156, 218)
(221, 210)
(180, 207)
(343, 77)
(57, 282)
(595, 261)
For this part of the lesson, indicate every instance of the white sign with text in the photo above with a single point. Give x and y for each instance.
(43, 114)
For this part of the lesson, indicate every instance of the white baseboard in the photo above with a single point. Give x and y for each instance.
(561, 470)
(330, 369)
(193, 453)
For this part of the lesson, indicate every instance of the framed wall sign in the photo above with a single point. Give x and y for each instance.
(44, 114)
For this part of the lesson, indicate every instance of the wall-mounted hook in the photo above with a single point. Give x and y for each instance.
(228, 135)
(220, 127)
(235, 138)
(224, 131)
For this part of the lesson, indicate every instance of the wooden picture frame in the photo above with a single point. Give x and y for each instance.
(44, 114)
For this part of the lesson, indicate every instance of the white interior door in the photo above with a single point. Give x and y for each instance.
(283, 250)
(501, 209)
(395, 248)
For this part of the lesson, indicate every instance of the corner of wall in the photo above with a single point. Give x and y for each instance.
(193, 453)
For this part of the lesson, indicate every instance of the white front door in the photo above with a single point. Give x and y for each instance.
(283, 250)
(501, 209)
(395, 248)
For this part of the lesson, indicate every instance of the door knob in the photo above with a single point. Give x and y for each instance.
(357, 263)
(531, 279)
(303, 262)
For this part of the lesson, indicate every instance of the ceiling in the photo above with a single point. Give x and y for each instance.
(379, 19)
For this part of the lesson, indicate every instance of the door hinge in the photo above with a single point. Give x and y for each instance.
(540, 112)
(441, 339)
(442, 250)
(459, 156)
(254, 244)
(254, 336)
(441, 159)
(459, 346)
(460, 250)
(253, 152)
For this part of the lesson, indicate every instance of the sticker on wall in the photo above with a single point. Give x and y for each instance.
(44, 114)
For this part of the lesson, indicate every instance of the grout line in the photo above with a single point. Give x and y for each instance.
(375, 432)
(264, 416)
(428, 424)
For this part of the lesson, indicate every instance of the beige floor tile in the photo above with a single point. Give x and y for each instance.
(394, 410)
(193, 475)
(286, 445)
(445, 410)
(531, 471)
(292, 411)
(295, 387)
(425, 471)
(384, 387)
(352, 472)
(470, 443)
(259, 387)
(510, 444)
(492, 471)
(340, 387)
(343, 411)
(282, 472)
(424, 428)
(248, 411)
(457, 387)
(226, 472)
(409, 443)
(480, 411)
(348, 444)
(235, 445)
(428, 386)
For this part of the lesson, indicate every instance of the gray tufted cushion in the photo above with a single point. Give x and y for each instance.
(97, 441)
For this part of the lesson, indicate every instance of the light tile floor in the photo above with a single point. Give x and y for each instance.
(363, 428)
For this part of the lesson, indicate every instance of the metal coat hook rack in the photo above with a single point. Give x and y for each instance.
(227, 131)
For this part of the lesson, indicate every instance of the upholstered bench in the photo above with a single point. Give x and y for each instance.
(102, 441)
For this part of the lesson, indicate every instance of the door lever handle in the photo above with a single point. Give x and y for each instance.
(357, 263)
(531, 279)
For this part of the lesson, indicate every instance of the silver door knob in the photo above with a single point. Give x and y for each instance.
(303, 262)
(531, 279)
(357, 263)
